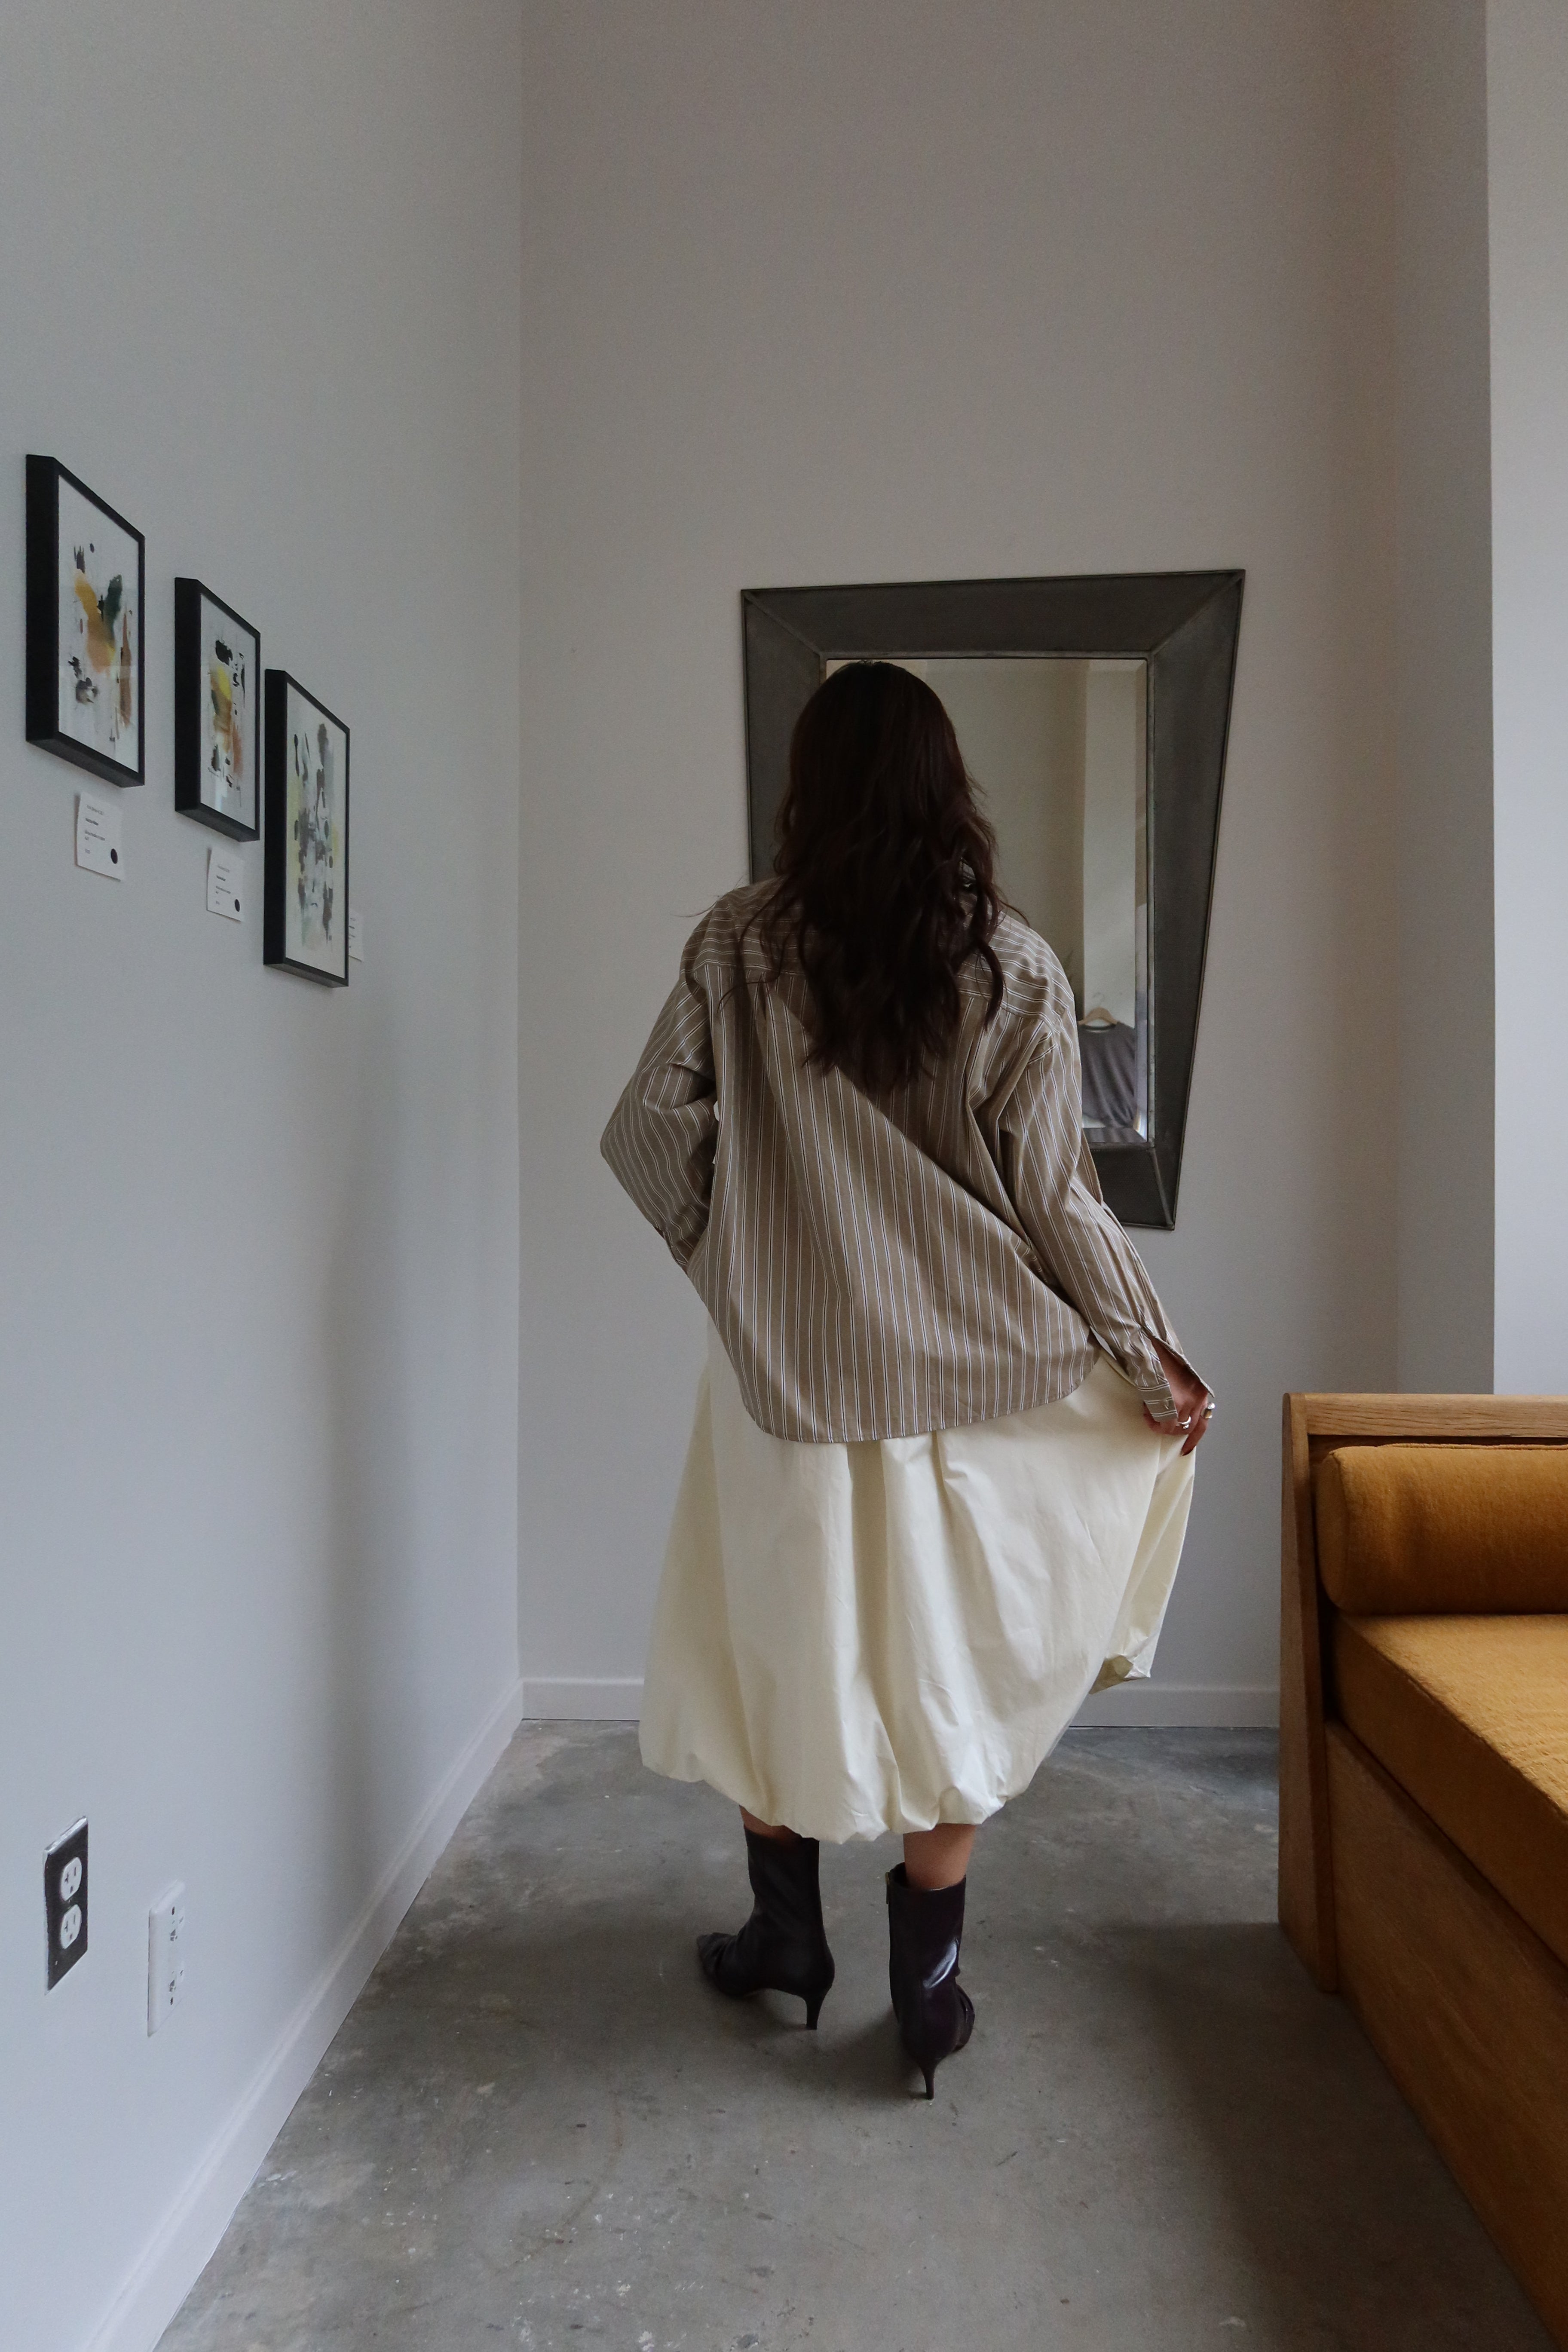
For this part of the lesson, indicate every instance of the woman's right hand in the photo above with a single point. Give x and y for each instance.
(1195, 1405)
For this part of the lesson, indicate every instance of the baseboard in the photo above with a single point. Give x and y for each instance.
(1184, 1706)
(617, 1698)
(581, 1698)
(185, 2241)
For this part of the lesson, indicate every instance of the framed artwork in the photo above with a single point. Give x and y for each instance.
(305, 912)
(217, 713)
(86, 571)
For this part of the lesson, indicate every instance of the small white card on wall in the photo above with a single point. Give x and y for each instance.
(98, 837)
(226, 878)
(356, 935)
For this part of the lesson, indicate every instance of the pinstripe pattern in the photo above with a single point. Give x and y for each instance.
(878, 1269)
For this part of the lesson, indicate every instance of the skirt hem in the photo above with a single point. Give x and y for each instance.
(862, 1829)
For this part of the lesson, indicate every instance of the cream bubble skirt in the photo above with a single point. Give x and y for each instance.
(859, 1639)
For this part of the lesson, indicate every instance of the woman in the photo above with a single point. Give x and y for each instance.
(941, 1470)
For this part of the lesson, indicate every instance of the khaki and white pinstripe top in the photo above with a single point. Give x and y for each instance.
(879, 1268)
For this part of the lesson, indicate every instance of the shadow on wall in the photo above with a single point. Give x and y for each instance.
(1355, 2231)
(368, 1628)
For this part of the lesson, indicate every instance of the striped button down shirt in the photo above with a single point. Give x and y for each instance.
(877, 1268)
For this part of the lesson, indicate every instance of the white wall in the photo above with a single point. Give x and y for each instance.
(1527, 107)
(259, 1240)
(897, 290)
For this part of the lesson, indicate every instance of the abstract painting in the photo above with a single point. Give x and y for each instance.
(86, 651)
(217, 712)
(305, 923)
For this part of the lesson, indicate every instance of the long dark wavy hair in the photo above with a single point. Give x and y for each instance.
(886, 877)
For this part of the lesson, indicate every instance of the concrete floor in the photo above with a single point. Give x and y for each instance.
(538, 2123)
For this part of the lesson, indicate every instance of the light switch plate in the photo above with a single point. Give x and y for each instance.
(98, 845)
(226, 885)
(165, 1956)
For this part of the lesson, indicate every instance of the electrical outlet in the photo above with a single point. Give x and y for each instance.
(65, 1901)
(165, 1956)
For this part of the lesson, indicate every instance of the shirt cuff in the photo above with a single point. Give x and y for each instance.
(1148, 1376)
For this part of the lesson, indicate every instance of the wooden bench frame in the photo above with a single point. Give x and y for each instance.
(1463, 2003)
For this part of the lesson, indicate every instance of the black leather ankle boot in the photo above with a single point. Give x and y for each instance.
(925, 1928)
(783, 1947)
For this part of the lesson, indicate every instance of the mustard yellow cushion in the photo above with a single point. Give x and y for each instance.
(1483, 1528)
(1471, 1716)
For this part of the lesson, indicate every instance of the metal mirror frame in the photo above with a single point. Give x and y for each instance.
(1185, 624)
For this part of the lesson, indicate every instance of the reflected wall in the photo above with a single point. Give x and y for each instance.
(1059, 750)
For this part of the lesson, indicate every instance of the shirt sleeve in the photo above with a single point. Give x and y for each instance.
(1054, 1186)
(663, 1132)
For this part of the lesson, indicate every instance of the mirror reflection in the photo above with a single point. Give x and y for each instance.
(1059, 750)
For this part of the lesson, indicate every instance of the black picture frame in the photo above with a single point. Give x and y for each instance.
(297, 754)
(199, 730)
(1185, 624)
(103, 682)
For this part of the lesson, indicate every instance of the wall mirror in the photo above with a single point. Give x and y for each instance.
(1092, 712)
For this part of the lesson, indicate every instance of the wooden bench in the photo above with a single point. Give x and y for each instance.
(1465, 2002)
